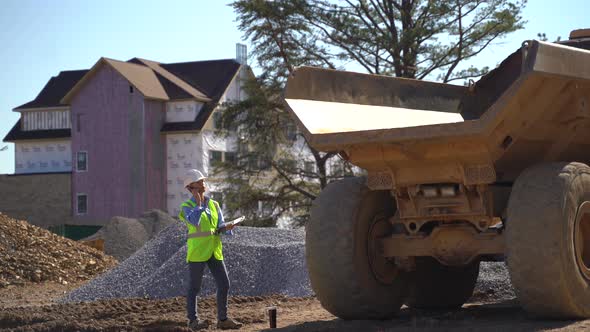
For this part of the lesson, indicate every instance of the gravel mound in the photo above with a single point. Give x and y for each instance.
(30, 253)
(260, 261)
(124, 236)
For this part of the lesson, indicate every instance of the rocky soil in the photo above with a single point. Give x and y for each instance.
(32, 254)
(303, 314)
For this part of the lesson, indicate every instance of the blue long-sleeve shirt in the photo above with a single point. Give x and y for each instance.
(193, 215)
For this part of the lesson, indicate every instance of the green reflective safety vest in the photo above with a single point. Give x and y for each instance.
(202, 242)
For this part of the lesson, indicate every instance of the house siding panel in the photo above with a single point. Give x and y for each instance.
(112, 132)
(182, 111)
(43, 156)
(184, 152)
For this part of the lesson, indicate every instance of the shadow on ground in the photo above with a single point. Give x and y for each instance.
(503, 316)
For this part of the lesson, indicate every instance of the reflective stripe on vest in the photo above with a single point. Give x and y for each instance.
(202, 240)
(200, 234)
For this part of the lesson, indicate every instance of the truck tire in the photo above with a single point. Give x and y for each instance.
(337, 253)
(436, 286)
(548, 240)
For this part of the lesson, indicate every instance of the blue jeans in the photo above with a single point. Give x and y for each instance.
(219, 272)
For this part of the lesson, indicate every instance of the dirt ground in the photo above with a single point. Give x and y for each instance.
(31, 308)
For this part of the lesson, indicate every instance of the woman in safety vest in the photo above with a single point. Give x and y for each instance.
(202, 216)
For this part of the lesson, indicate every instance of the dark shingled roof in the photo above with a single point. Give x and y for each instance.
(173, 91)
(212, 77)
(55, 90)
(16, 134)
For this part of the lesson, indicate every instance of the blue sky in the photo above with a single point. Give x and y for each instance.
(41, 38)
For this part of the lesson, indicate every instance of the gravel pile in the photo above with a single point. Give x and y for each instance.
(124, 236)
(32, 254)
(260, 261)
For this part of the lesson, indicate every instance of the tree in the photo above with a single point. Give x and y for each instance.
(275, 173)
(420, 39)
(405, 38)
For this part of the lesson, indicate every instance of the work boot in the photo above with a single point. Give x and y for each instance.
(198, 324)
(228, 324)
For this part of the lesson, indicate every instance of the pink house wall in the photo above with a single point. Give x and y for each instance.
(120, 131)
(155, 151)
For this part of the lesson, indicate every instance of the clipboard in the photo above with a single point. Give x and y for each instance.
(232, 222)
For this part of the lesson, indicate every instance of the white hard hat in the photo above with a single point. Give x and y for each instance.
(193, 175)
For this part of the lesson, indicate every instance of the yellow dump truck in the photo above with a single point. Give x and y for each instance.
(456, 175)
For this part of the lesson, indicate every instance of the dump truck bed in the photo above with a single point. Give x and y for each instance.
(534, 107)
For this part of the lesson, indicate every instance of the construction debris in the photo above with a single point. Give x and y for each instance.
(32, 254)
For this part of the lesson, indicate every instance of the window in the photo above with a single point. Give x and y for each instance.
(82, 161)
(291, 131)
(264, 209)
(230, 157)
(78, 118)
(264, 163)
(337, 169)
(288, 164)
(252, 162)
(82, 204)
(242, 146)
(215, 157)
(309, 166)
(348, 170)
